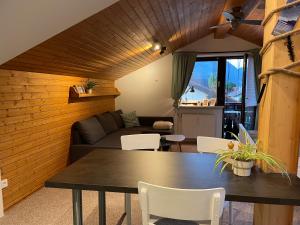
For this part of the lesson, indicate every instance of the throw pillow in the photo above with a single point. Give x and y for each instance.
(162, 125)
(91, 130)
(117, 117)
(107, 121)
(130, 119)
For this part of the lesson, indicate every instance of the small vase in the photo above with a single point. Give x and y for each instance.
(241, 168)
(89, 91)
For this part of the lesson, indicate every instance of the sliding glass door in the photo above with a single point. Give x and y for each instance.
(234, 104)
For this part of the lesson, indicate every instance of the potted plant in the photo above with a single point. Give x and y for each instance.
(90, 86)
(244, 158)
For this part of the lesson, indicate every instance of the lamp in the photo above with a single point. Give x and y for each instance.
(156, 46)
(190, 89)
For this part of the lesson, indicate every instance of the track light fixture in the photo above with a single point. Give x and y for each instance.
(156, 46)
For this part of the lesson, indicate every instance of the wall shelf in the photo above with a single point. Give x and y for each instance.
(96, 93)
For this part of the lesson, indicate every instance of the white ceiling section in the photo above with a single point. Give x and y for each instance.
(25, 24)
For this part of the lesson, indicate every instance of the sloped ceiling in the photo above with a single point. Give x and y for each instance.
(25, 24)
(117, 40)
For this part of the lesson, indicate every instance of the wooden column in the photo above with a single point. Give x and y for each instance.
(279, 117)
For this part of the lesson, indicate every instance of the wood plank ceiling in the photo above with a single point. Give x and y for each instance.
(117, 40)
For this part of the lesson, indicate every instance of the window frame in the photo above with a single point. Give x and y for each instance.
(221, 76)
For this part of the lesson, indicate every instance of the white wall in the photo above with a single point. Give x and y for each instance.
(25, 24)
(148, 90)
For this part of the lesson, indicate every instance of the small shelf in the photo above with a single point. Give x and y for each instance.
(96, 93)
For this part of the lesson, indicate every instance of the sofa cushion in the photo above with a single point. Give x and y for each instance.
(113, 140)
(91, 130)
(130, 119)
(117, 117)
(107, 121)
(162, 125)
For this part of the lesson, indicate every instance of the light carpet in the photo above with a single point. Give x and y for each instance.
(54, 207)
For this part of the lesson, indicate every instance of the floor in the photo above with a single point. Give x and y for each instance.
(54, 207)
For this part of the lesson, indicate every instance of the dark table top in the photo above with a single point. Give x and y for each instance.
(120, 171)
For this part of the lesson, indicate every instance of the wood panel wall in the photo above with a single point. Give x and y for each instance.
(35, 122)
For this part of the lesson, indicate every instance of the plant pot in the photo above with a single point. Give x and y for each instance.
(89, 91)
(241, 168)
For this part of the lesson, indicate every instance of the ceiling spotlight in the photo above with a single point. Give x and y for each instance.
(163, 49)
(156, 46)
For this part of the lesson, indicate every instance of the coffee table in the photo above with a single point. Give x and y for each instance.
(175, 138)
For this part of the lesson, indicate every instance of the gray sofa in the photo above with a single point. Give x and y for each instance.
(105, 130)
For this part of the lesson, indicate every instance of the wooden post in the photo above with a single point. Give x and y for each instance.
(279, 117)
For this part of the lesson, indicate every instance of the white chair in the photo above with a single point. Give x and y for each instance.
(198, 205)
(137, 142)
(212, 145)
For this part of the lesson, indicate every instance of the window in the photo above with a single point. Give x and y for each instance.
(214, 76)
(234, 80)
(229, 82)
(203, 83)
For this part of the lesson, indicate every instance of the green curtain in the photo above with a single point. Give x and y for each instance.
(183, 65)
(257, 69)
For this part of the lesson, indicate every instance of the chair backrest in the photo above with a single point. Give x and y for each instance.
(244, 135)
(212, 144)
(140, 141)
(181, 204)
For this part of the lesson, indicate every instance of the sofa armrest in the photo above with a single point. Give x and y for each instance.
(149, 120)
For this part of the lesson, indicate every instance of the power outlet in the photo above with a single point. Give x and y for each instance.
(4, 183)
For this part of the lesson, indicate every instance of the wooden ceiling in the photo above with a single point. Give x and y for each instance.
(117, 40)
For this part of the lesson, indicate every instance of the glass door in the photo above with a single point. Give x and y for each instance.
(234, 102)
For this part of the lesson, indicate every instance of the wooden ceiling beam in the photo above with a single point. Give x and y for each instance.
(250, 6)
(253, 9)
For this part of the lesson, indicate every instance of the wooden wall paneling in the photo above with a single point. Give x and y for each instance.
(279, 121)
(35, 123)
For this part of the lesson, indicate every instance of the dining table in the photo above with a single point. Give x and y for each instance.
(107, 170)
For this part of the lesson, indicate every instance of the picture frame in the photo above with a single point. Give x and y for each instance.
(79, 89)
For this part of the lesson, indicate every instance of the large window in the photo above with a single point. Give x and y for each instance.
(203, 83)
(219, 78)
(226, 81)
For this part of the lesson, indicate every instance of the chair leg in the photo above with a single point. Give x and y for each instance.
(128, 208)
(230, 216)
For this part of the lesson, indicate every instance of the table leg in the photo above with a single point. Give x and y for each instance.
(102, 208)
(77, 207)
(230, 217)
(128, 208)
(179, 146)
